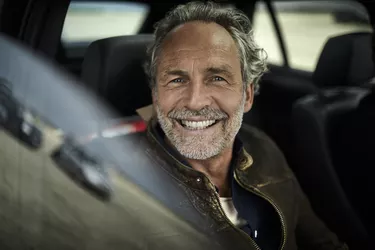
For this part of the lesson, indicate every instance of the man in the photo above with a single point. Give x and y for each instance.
(203, 67)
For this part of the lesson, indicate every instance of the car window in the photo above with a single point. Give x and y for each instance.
(265, 34)
(87, 21)
(305, 27)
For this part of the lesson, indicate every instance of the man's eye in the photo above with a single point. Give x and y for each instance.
(177, 80)
(218, 78)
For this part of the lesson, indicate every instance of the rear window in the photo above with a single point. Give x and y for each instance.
(305, 27)
(88, 21)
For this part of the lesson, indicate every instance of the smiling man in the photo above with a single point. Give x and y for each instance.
(203, 67)
(200, 97)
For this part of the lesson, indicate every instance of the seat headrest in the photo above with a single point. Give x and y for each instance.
(113, 68)
(346, 60)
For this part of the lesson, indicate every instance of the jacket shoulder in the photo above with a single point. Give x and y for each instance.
(267, 156)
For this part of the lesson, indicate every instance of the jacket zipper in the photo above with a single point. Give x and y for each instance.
(260, 194)
(253, 243)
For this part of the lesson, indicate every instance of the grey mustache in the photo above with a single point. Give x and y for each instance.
(207, 113)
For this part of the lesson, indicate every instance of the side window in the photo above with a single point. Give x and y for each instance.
(305, 27)
(265, 34)
(87, 21)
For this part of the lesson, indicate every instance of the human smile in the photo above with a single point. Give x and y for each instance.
(194, 125)
(197, 125)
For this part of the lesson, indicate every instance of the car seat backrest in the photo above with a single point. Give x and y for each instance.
(113, 68)
(345, 60)
(353, 152)
(314, 117)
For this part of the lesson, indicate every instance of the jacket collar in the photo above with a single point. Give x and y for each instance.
(266, 164)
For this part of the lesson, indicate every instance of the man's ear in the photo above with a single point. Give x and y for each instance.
(249, 97)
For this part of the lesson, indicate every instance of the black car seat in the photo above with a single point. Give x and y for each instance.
(344, 61)
(113, 68)
(274, 105)
(315, 119)
(353, 153)
(344, 67)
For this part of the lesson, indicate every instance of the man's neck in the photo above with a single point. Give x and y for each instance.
(217, 170)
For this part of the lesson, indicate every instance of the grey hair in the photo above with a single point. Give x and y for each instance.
(252, 57)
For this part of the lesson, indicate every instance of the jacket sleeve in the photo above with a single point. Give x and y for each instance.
(311, 232)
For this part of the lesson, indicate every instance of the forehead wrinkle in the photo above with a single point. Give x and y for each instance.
(180, 56)
(201, 51)
(211, 61)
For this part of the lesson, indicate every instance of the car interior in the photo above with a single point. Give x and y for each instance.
(301, 106)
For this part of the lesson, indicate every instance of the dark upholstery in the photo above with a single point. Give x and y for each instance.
(353, 152)
(274, 105)
(329, 149)
(314, 121)
(346, 60)
(112, 67)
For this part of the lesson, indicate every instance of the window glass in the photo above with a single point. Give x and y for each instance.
(265, 34)
(306, 26)
(89, 21)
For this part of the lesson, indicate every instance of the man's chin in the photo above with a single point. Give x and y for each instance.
(197, 150)
(198, 156)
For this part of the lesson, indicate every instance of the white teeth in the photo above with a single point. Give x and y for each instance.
(197, 125)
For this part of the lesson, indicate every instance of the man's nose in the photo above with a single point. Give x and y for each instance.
(197, 96)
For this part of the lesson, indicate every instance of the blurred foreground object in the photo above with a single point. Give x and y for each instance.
(16, 119)
(57, 202)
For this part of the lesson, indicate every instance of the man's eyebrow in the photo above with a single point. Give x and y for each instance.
(175, 72)
(223, 69)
